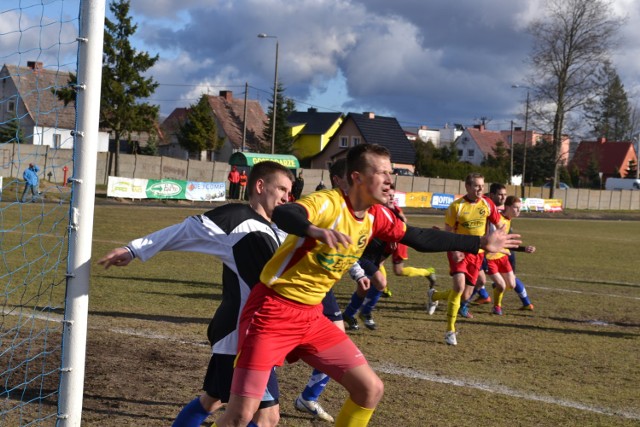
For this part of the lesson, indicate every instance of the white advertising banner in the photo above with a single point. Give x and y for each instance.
(129, 188)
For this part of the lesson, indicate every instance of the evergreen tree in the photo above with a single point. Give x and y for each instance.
(610, 113)
(199, 132)
(123, 82)
(11, 132)
(284, 140)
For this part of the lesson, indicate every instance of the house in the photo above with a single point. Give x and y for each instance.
(367, 128)
(477, 143)
(229, 113)
(28, 93)
(612, 158)
(438, 137)
(312, 131)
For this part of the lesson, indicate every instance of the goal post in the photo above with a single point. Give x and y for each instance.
(74, 339)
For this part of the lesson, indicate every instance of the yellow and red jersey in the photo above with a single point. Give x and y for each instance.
(471, 217)
(303, 269)
(498, 255)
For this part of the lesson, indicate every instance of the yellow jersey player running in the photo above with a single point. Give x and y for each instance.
(469, 216)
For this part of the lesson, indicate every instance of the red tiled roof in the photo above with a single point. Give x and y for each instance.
(35, 91)
(486, 139)
(230, 113)
(611, 156)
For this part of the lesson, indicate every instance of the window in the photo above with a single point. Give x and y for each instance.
(11, 106)
(471, 152)
(355, 140)
(57, 140)
(460, 153)
(344, 142)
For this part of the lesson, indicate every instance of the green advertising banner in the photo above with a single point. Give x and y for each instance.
(166, 189)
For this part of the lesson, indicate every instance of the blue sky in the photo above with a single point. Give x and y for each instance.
(425, 62)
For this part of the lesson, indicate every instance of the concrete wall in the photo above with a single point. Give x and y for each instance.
(14, 159)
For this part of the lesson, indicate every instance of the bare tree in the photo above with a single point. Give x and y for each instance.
(570, 42)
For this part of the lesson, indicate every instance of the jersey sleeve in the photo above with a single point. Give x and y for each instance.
(386, 225)
(450, 217)
(194, 234)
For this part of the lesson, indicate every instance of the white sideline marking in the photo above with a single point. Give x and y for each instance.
(497, 389)
(573, 291)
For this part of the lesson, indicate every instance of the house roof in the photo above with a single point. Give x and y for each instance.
(34, 86)
(610, 155)
(315, 123)
(230, 113)
(171, 124)
(485, 139)
(385, 131)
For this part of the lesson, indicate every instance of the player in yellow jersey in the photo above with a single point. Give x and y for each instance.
(328, 231)
(498, 265)
(469, 216)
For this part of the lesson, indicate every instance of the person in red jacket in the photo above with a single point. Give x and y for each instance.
(234, 183)
(243, 184)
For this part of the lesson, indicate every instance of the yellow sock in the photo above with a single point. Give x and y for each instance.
(416, 272)
(438, 295)
(497, 297)
(452, 309)
(352, 415)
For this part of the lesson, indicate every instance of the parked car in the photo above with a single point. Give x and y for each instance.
(562, 185)
(622, 184)
(402, 171)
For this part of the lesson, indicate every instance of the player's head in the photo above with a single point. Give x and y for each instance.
(269, 185)
(497, 193)
(369, 173)
(474, 184)
(337, 173)
(392, 194)
(512, 207)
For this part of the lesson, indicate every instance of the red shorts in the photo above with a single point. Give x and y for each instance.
(500, 265)
(469, 266)
(400, 254)
(273, 328)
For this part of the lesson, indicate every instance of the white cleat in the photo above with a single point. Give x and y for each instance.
(431, 304)
(312, 407)
(450, 338)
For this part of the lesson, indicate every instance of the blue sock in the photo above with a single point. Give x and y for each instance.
(522, 292)
(191, 415)
(354, 305)
(373, 295)
(252, 424)
(482, 292)
(315, 386)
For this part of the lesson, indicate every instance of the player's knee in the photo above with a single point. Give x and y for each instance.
(268, 417)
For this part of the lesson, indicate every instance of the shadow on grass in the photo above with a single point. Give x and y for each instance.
(164, 281)
(152, 317)
(207, 296)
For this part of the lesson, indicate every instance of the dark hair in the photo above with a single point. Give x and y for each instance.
(265, 170)
(471, 177)
(339, 169)
(356, 157)
(495, 187)
(511, 200)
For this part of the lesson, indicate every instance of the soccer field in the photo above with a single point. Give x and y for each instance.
(573, 361)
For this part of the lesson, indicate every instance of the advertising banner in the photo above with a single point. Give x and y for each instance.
(441, 200)
(127, 188)
(418, 199)
(175, 189)
(206, 191)
(166, 189)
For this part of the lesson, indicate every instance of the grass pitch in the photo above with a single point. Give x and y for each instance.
(573, 361)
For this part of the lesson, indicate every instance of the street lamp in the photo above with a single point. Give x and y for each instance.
(275, 94)
(526, 123)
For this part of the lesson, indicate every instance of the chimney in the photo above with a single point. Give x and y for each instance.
(227, 95)
(517, 129)
(424, 127)
(35, 65)
(602, 140)
(312, 110)
(479, 127)
(369, 115)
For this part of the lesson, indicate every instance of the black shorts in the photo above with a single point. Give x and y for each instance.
(370, 268)
(330, 307)
(217, 381)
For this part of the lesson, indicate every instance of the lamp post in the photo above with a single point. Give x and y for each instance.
(526, 123)
(511, 170)
(275, 94)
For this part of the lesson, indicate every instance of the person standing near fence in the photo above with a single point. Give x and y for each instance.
(243, 184)
(31, 179)
(234, 182)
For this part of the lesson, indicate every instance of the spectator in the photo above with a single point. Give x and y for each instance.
(30, 176)
(320, 186)
(243, 185)
(234, 183)
(298, 186)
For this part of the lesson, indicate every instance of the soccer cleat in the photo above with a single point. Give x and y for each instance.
(497, 310)
(450, 338)
(350, 323)
(481, 300)
(527, 307)
(313, 407)
(368, 321)
(386, 292)
(464, 312)
(431, 304)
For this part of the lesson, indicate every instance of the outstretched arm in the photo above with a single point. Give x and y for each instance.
(292, 218)
(432, 240)
(120, 257)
